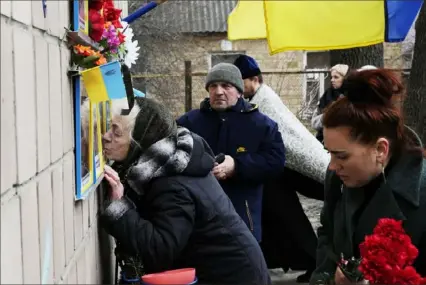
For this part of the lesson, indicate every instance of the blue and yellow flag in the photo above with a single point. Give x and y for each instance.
(322, 25)
(104, 82)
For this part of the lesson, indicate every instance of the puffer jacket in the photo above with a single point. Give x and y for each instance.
(187, 220)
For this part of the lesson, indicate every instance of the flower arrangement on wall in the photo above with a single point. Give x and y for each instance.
(113, 38)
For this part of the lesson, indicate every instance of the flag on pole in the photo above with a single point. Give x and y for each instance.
(322, 25)
(246, 21)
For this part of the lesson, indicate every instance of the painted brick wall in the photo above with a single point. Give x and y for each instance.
(46, 237)
(198, 49)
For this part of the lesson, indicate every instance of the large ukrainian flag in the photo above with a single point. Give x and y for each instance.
(322, 25)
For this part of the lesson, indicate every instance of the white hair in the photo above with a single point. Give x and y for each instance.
(130, 119)
(116, 107)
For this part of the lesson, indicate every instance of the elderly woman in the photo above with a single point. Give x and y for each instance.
(376, 171)
(338, 73)
(167, 210)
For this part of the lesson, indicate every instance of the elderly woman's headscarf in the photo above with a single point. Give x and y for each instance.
(152, 124)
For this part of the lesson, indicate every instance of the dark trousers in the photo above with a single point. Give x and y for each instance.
(289, 240)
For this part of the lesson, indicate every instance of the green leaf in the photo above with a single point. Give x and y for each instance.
(90, 59)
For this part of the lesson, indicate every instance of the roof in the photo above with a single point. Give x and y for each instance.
(194, 16)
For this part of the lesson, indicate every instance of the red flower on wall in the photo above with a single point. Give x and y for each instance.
(112, 14)
(121, 37)
(97, 24)
(96, 4)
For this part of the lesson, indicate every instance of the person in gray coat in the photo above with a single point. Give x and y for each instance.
(377, 170)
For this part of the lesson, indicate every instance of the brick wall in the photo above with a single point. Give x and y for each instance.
(198, 48)
(46, 237)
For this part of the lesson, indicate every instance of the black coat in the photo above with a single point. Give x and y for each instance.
(330, 95)
(289, 240)
(187, 220)
(402, 196)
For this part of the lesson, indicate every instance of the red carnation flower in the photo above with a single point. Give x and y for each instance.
(121, 37)
(388, 255)
(96, 4)
(96, 25)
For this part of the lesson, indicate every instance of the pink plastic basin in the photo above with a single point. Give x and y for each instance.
(178, 276)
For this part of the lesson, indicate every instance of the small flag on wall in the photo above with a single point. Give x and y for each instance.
(104, 82)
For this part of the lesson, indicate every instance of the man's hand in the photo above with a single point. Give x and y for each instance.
(224, 170)
(117, 189)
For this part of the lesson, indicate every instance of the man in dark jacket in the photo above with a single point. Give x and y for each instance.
(292, 244)
(167, 210)
(251, 142)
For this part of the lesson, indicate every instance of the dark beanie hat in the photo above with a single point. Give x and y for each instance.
(154, 122)
(247, 66)
(225, 72)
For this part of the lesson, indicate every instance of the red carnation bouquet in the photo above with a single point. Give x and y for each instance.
(388, 255)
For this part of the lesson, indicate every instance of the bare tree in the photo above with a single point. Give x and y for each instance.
(163, 41)
(358, 57)
(415, 103)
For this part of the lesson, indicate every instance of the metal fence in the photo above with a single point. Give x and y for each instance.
(299, 90)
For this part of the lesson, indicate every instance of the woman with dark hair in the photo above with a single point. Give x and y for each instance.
(377, 170)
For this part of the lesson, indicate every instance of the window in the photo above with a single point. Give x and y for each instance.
(316, 80)
(224, 56)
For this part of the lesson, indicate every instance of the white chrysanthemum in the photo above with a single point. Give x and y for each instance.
(132, 48)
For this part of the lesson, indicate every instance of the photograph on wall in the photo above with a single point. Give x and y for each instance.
(83, 16)
(108, 115)
(106, 123)
(102, 113)
(105, 116)
(97, 141)
(86, 146)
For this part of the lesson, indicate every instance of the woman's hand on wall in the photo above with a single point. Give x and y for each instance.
(117, 189)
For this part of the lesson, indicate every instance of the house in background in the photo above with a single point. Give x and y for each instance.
(298, 77)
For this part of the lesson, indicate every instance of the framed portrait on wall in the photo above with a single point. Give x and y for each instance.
(105, 112)
(83, 16)
(97, 141)
(84, 138)
(102, 118)
(105, 116)
(108, 115)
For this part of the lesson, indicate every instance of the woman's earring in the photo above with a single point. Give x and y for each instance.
(383, 173)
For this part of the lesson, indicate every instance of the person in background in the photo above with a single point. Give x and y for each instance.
(166, 210)
(377, 170)
(292, 244)
(251, 142)
(338, 73)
